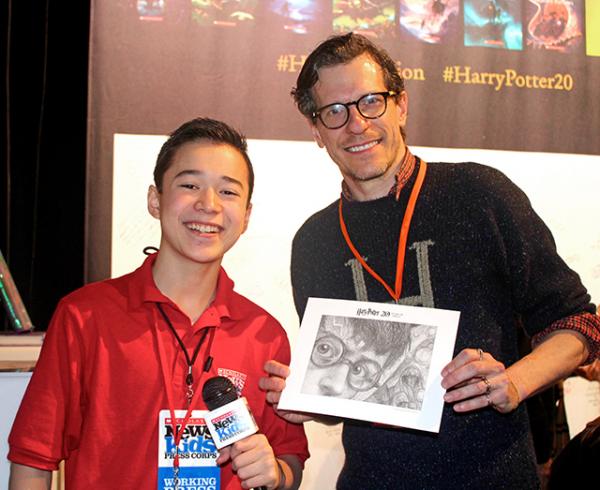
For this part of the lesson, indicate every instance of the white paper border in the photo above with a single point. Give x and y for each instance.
(427, 418)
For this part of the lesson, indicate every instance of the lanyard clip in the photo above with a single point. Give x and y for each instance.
(189, 379)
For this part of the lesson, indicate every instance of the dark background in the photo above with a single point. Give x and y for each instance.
(149, 76)
(43, 141)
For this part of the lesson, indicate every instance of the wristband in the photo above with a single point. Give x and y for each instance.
(282, 479)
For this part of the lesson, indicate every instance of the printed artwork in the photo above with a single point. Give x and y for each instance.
(493, 24)
(298, 16)
(151, 10)
(379, 362)
(431, 21)
(554, 24)
(373, 18)
(224, 13)
(376, 361)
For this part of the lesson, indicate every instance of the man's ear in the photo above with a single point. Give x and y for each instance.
(315, 133)
(402, 108)
(154, 202)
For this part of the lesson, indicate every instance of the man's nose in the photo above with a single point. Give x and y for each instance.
(357, 123)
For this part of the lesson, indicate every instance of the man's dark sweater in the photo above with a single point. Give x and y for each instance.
(475, 245)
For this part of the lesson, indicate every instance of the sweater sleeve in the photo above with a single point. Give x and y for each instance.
(46, 428)
(543, 288)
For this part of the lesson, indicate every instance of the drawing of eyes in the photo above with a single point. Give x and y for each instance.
(327, 351)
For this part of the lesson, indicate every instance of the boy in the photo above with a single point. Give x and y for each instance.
(123, 352)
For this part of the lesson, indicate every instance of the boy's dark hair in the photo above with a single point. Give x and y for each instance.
(200, 129)
(338, 50)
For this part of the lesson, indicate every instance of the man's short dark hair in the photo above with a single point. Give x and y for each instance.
(338, 50)
(201, 129)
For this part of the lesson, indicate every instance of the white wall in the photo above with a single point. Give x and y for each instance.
(12, 388)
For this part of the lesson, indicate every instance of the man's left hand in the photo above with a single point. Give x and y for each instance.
(475, 380)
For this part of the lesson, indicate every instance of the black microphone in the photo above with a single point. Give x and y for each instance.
(229, 419)
(218, 391)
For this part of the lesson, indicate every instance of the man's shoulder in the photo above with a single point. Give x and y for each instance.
(465, 171)
(470, 179)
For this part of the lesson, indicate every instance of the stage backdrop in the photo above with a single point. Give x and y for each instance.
(513, 84)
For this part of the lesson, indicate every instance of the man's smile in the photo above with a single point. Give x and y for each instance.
(362, 147)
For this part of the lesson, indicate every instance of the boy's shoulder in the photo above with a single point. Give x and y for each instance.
(100, 293)
(244, 306)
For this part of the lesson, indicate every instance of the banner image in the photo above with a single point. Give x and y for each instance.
(525, 62)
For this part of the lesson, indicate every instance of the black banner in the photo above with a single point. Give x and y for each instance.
(503, 74)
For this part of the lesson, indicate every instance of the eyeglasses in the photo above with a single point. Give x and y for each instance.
(330, 350)
(369, 106)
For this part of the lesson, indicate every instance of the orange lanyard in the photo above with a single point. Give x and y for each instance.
(408, 214)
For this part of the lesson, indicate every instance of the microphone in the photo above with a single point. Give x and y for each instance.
(229, 419)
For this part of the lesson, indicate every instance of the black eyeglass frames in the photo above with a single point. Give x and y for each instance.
(369, 106)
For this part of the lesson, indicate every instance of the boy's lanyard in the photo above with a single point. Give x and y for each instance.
(404, 229)
(192, 397)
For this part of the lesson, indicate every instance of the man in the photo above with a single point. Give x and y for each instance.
(453, 236)
(124, 360)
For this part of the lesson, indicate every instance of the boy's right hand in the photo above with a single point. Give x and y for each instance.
(274, 385)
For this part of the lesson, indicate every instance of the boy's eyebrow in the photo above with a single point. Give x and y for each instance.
(198, 173)
(232, 180)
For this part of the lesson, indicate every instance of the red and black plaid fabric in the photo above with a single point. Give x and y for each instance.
(587, 324)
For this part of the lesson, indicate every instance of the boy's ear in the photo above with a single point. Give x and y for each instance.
(247, 217)
(154, 202)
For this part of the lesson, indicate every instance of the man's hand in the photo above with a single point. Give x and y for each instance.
(591, 372)
(474, 380)
(253, 461)
(274, 385)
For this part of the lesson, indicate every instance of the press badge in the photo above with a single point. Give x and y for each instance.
(197, 454)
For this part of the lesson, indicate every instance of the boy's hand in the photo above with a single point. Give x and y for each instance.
(253, 461)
